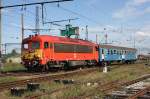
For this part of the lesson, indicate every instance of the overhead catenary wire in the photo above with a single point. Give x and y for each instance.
(80, 15)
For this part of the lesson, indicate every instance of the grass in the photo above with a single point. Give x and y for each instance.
(12, 67)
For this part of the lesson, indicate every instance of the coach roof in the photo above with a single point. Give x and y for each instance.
(116, 47)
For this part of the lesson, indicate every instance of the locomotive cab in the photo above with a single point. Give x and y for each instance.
(31, 52)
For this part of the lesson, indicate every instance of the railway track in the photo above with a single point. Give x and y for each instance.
(9, 74)
(8, 85)
(135, 89)
(110, 86)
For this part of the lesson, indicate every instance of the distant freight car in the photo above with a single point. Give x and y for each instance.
(109, 54)
(44, 52)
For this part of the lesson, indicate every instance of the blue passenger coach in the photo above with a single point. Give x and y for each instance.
(109, 54)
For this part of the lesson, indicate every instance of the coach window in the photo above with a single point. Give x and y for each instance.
(46, 45)
(114, 51)
(117, 52)
(120, 52)
(111, 52)
(108, 51)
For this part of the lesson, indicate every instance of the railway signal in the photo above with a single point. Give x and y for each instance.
(69, 31)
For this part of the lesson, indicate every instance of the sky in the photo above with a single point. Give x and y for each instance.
(125, 21)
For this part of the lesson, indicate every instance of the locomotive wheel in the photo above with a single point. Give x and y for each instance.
(45, 68)
(29, 69)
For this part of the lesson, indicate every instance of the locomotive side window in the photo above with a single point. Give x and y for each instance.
(69, 48)
(46, 44)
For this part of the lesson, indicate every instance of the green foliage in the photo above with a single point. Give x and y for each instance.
(12, 54)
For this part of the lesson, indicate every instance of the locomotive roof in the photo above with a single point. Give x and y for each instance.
(58, 39)
(117, 47)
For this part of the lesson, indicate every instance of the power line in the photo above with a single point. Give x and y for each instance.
(62, 20)
(37, 3)
(83, 16)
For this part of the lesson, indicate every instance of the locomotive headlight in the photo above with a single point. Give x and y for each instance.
(35, 62)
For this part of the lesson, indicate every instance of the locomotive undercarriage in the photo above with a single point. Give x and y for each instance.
(66, 65)
(59, 65)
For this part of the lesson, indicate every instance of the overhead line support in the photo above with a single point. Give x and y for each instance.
(29, 4)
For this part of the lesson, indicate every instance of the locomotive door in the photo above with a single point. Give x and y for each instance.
(96, 53)
(46, 51)
(51, 51)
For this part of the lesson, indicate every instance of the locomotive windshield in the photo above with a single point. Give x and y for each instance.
(31, 45)
(35, 45)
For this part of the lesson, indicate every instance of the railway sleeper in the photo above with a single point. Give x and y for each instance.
(33, 86)
(64, 81)
(17, 91)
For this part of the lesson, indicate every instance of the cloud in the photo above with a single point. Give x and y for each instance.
(131, 9)
(144, 34)
(139, 2)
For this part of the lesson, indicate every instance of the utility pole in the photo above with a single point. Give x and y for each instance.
(134, 40)
(96, 39)
(37, 25)
(106, 36)
(0, 32)
(22, 26)
(86, 32)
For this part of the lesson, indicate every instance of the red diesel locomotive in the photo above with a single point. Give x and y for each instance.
(45, 52)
